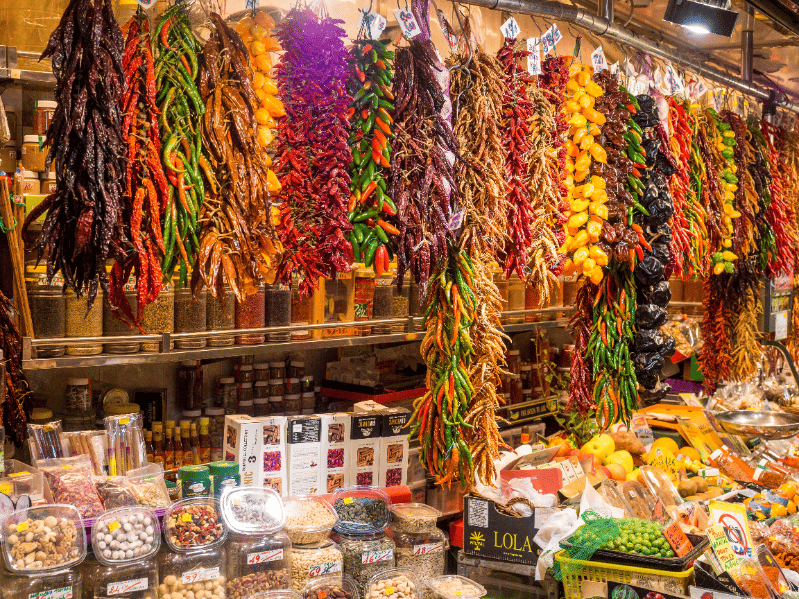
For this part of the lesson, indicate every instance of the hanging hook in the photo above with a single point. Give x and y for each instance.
(540, 33)
(464, 66)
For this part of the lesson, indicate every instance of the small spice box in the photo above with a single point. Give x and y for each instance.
(273, 450)
(243, 444)
(336, 451)
(394, 447)
(365, 439)
(304, 435)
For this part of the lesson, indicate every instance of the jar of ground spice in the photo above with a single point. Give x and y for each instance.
(190, 317)
(113, 326)
(220, 316)
(250, 314)
(383, 306)
(48, 310)
(364, 297)
(82, 322)
(278, 310)
(300, 310)
(159, 317)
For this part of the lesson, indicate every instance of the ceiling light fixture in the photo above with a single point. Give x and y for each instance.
(703, 16)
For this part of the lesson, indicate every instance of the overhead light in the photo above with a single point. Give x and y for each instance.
(702, 16)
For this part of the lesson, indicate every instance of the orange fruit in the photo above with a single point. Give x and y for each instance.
(263, 62)
(791, 507)
(563, 445)
(688, 452)
(271, 44)
(247, 37)
(778, 510)
(787, 490)
(257, 48)
(617, 472)
(264, 20)
(245, 24)
(258, 32)
(666, 444)
(265, 136)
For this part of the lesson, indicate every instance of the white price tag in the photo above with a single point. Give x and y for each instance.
(781, 325)
(673, 81)
(407, 22)
(657, 77)
(548, 40)
(371, 557)
(62, 593)
(598, 60)
(264, 556)
(428, 548)
(534, 56)
(326, 568)
(127, 586)
(510, 28)
(452, 40)
(373, 22)
(615, 68)
(200, 575)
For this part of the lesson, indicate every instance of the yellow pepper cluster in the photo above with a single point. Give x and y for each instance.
(255, 32)
(586, 194)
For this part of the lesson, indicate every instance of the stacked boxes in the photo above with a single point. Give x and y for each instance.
(365, 439)
(336, 453)
(273, 449)
(243, 442)
(394, 447)
(304, 434)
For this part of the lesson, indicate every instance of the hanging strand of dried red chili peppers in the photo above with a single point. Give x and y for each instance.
(18, 398)
(781, 213)
(312, 157)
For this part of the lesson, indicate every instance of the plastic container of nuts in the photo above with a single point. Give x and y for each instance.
(366, 555)
(252, 510)
(414, 517)
(425, 553)
(308, 519)
(43, 539)
(311, 561)
(455, 587)
(136, 580)
(330, 587)
(184, 575)
(282, 594)
(397, 583)
(193, 524)
(361, 510)
(64, 583)
(126, 534)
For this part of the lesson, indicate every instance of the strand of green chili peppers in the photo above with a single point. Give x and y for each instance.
(370, 209)
(182, 112)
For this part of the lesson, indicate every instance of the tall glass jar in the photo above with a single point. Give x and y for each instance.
(250, 314)
(80, 323)
(300, 310)
(402, 303)
(114, 327)
(159, 317)
(101, 582)
(257, 563)
(313, 560)
(184, 573)
(68, 583)
(229, 394)
(383, 306)
(48, 310)
(364, 297)
(216, 430)
(366, 555)
(190, 317)
(425, 553)
(189, 388)
(220, 317)
(278, 310)
(515, 298)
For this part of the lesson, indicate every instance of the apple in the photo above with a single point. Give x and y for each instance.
(624, 458)
(601, 446)
(617, 471)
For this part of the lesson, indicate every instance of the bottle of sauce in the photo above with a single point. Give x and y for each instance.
(185, 440)
(178, 449)
(169, 451)
(195, 445)
(205, 442)
(148, 445)
(735, 468)
(158, 449)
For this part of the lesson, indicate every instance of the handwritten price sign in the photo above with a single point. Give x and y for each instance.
(200, 575)
(407, 22)
(427, 548)
(264, 556)
(62, 593)
(128, 586)
(371, 557)
(510, 29)
(598, 60)
(534, 56)
(673, 81)
(373, 23)
(321, 569)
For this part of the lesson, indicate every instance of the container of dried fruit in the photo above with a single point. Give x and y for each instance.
(397, 583)
(125, 535)
(414, 517)
(455, 587)
(258, 554)
(328, 587)
(308, 519)
(361, 510)
(66, 583)
(135, 580)
(194, 524)
(43, 539)
(314, 560)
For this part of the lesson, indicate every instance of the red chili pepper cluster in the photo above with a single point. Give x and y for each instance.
(145, 181)
(781, 213)
(18, 398)
(312, 157)
(581, 384)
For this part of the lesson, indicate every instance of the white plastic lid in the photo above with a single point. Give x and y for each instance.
(78, 382)
(30, 175)
(226, 380)
(260, 401)
(246, 367)
(125, 535)
(260, 365)
(33, 139)
(46, 104)
(252, 510)
(214, 411)
(297, 363)
(275, 381)
(246, 403)
(292, 396)
(456, 587)
(48, 176)
(715, 454)
(275, 398)
(261, 383)
(277, 364)
(192, 413)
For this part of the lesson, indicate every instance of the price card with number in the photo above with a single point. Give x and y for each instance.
(62, 593)
(677, 539)
(407, 22)
(426, 548)
(548, 41)
(598, 60)
(372, 557)
(534, 56)
(263, 557)
(322, 569)
(673, 80)
(510, 28)
(127, 586)
(200, 575)
(372, 22)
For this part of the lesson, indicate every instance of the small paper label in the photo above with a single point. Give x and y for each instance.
(548, 41)
(371, 557)
(427, 548)
(264, 557)
(124, 420)
(677, 539)
(673, 81)
(200, 575)
(128, 586)
(6, 488)
(700, 89)
(373, 22)
(615, 68)
(22, 527)
(62, 593)
(326, 568)
(510, 28)
(113, 526)
(407, 22)
(187, 517)
(598, 60)
(389, 590)
(534, 56)
(348, 500)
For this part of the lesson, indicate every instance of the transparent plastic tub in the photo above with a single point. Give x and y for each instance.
(125, 535)
(184, 575)
(309, 519)
(147, 484)
(366, 555)
(65, 583)
(659, 485)
(414, 517)
(137, 580)
(252, 510)
(638, 501)
(257, 563)
(607, 489)
(326, 587)
(281, 594)
(455, 587)
(311, 561)
(425, 553)
(397, 582)
(43, 539)
(194, 524)
(361, 510)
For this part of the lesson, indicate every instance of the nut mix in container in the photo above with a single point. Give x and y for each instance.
(281, 594)
(398, 583)
(308, 519)
(455, 587)
(135, 580)
(193, 523)
(43, 539)
(366, 555)
(414, 517)
(311, 561)
(361, 510)
(331, 587)
(424, 553)
(124, 535)
(193, 574)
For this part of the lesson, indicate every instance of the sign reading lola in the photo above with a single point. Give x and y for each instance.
(489, 534)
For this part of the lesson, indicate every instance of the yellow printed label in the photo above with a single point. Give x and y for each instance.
(389, 590)
(348, 500)
(15, 474)
(113, 526)
(22, 527)
(6, 488)
(124, 421)
(187, 518)
(48, 428)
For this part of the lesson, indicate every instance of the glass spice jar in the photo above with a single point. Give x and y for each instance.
(366, 555)
(278, 311)
(532, 301)
(261, 371)
(43, 112)
(47, 182)
(401, 307)
(515, 298)
(251, 314)
(425, 553)
(276, 387)
(216, 431)
(261, 406)
(48, 310)
(228, 394)
(245, 373)
(244, 392)
(527, 377)
(293, 387)
(364, 298)
(383, 304)
(257, 563)
(190, 317)
(247, 407)
(220, 316)
(80, 323)
(159, 317)
(189, 388)
(276, 406)
(78, 396)
(34, 153)
(115, 327)
(292, 404)
(296, 369)
(300, 310)
(277, 370)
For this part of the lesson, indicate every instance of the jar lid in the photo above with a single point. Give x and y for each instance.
(194, 473)
(414, 517)
(246, 403)
(136, 527)
(297, 363)
(275, 398)
(275, 381)
(260, 401)
(292, 396)
(513, 352)
(309, 394)
(214, 411)
(245, 385)
(189, 363)
(78, 382)
(246, 367)
(41, 414)
(226, 380)
(260, 365)
(361, 510)
(119, 409)
(46, 104)
(182, 516)
(191, 414)
(225, 469)
(262, 383)
(30, 174)
(293, 380)
(277, 364)
(33, 139)
(252, 510)
(48, 176)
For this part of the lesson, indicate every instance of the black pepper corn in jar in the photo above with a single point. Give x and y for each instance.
(48, 310)
(80, 323)
(190, 317)
(383, 306)
(278, 310)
